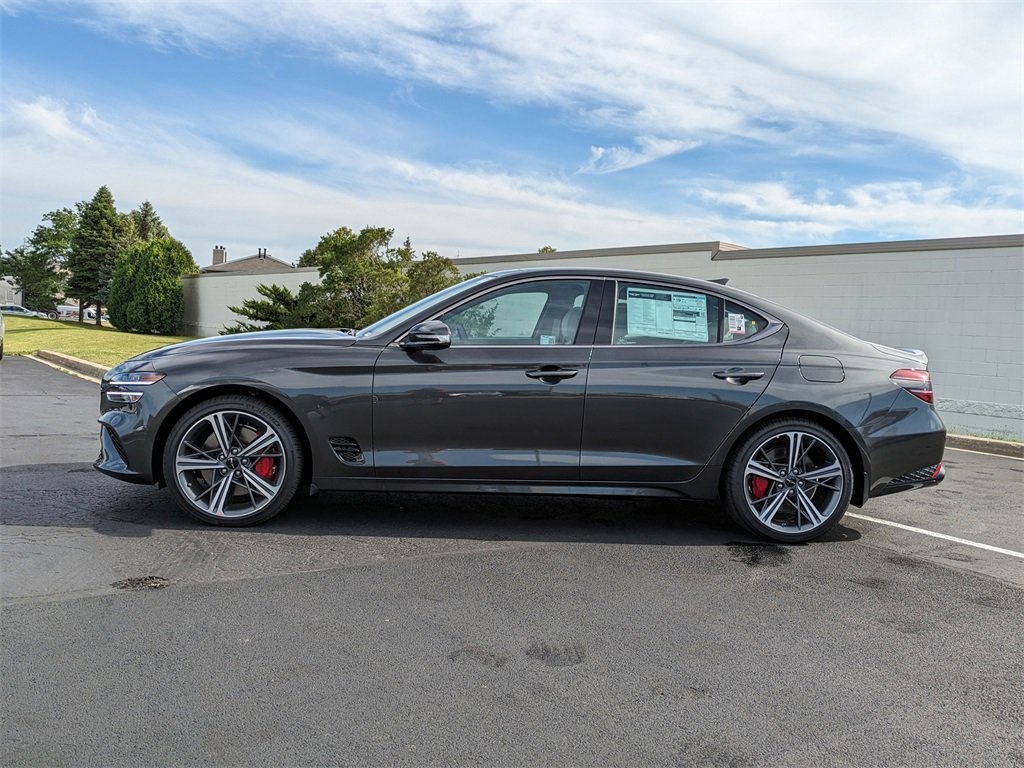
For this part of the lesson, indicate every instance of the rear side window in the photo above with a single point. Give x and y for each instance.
(651, 314)
(740, 323)
(656, 315)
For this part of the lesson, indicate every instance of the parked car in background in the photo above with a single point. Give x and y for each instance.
(563, 381)
(16, 310)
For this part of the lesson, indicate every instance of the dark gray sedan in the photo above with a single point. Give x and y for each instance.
(536, 381)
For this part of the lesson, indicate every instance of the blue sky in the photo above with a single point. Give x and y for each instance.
(488, 127)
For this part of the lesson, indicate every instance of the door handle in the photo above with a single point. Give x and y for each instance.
(551, 374)
(738, 375)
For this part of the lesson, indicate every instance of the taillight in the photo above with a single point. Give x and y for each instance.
(917, 383)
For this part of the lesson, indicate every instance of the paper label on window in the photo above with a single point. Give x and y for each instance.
(548, 339)
(737, 324)
(667, 314)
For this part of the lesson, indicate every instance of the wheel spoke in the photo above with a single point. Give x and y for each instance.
(806, 508)
(257, 445)
(757, 468)
(196, 464)
(822, 475)
(220, 496)
(257, 482)
(796, 450)
(771, 507)
(220, 431)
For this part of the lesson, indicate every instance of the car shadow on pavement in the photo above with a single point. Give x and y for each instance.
(76, 496)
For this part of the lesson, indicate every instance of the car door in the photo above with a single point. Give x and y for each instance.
(504, 402)
(674, 370)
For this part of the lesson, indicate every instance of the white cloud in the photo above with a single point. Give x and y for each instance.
(50, 118)
(943, 75)
(772, 209)
(612, 159)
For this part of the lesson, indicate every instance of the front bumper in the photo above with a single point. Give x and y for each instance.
(128, 434)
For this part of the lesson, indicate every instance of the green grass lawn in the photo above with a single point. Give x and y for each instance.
(104, 346)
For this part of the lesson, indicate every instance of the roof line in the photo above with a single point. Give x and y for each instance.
(890, 246)
(712, 246)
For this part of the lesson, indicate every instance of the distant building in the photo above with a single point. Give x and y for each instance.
(8, 293)
(259, 263)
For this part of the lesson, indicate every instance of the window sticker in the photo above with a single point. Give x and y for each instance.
(666, 314)
(548, 339)
(737, 324)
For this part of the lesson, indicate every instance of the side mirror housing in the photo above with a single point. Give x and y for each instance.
(430, 334)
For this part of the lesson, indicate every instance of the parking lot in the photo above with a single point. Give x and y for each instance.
(478, 630)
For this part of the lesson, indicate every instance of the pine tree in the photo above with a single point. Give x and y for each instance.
(146, 223)
(94, 250)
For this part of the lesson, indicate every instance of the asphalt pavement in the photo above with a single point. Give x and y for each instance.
(394, 629)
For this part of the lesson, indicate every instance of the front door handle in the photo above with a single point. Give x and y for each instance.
(551, 374)
(738, 375)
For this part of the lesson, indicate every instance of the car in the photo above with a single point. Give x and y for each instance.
(16, 310)
(556, 381)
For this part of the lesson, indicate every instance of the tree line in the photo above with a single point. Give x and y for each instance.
(127, 262)
(130, 264)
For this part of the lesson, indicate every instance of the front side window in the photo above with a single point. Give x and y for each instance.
(537, 313)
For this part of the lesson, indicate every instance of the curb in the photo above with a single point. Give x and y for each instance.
(966, 442)
(73, 363)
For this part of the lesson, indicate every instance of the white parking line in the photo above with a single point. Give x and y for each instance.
(985, 453)
(954, 539)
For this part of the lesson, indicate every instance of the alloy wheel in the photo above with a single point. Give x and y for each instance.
(230, 464)
(793, 482)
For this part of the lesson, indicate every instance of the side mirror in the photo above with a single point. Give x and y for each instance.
(430, 334)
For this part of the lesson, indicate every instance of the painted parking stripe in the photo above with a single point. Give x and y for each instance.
(944, 536)
(984, 453)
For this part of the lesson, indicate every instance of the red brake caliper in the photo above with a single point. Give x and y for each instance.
(758, 486)
(264, 468)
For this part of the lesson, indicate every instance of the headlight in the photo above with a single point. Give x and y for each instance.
(127, 377)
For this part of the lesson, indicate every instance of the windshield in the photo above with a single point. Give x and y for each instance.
(394, 321)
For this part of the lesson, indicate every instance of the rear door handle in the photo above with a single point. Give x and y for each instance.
(738, 375)
(551, 374)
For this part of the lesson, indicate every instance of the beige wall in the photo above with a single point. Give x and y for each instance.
(208, 296)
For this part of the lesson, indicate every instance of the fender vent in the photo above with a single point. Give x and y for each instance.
(347, 449)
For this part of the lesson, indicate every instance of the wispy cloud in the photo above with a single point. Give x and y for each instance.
(612, 159)
(797, 86)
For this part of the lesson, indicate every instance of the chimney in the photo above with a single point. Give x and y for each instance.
(220, 255)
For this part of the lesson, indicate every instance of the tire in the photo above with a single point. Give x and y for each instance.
(789, 481)
(233, 461)
(51, 315)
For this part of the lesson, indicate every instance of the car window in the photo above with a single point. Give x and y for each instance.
(652, 314)
(740, 323)
(540, 312)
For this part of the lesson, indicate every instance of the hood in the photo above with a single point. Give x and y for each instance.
(237, 341)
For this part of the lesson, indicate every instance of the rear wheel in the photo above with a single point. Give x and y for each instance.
(789, 481)
(233, 460)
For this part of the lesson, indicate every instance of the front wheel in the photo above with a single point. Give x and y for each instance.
(789, 481)
(233, 460)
